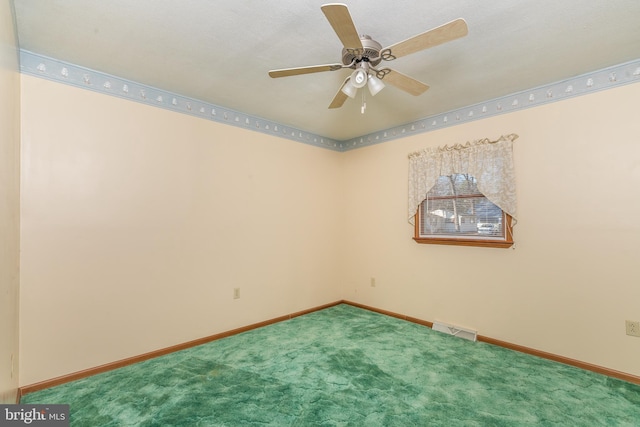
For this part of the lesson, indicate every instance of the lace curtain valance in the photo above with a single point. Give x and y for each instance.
(490, 162)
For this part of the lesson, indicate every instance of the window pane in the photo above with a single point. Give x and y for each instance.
(455, 208)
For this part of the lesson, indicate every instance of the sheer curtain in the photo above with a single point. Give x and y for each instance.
(490, 162)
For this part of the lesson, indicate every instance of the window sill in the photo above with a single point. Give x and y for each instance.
(465, 242)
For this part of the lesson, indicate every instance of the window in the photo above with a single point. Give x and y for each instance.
(456, 212)
(464, 194)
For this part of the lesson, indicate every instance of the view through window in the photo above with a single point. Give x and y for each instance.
(456, 212)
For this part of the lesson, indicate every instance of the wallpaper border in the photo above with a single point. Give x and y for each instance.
(52, 69)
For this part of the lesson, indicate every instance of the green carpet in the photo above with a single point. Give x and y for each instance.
(344, 366)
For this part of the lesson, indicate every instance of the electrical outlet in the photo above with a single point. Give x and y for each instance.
(633, 328)
(373, 282)
(236, 293)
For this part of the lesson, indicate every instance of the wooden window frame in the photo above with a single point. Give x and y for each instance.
(505, 242)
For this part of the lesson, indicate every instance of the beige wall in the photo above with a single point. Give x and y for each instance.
(9, 204)
(572, 278)
(138, 223)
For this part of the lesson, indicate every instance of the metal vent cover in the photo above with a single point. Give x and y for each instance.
(458, 331)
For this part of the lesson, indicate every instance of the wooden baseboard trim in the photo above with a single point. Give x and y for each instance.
(140, 358)
(390, 313)
(515, 347)
(146, 356)
(561, 359)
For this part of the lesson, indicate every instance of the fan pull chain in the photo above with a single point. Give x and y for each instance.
(364, 102)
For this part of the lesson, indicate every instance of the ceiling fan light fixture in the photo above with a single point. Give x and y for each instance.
(375, 84)
(349, 89)
(359, 78)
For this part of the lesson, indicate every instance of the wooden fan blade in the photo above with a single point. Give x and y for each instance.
(340, 19)
(286, 72)
(447, 32)
(340, 97)
(405, 83)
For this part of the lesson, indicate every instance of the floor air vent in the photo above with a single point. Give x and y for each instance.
(467, 334)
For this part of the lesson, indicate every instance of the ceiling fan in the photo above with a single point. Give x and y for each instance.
(363, 54)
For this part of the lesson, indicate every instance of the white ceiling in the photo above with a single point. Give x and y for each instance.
(220, 51)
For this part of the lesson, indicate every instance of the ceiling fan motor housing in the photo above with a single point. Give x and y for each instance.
(370, 53)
